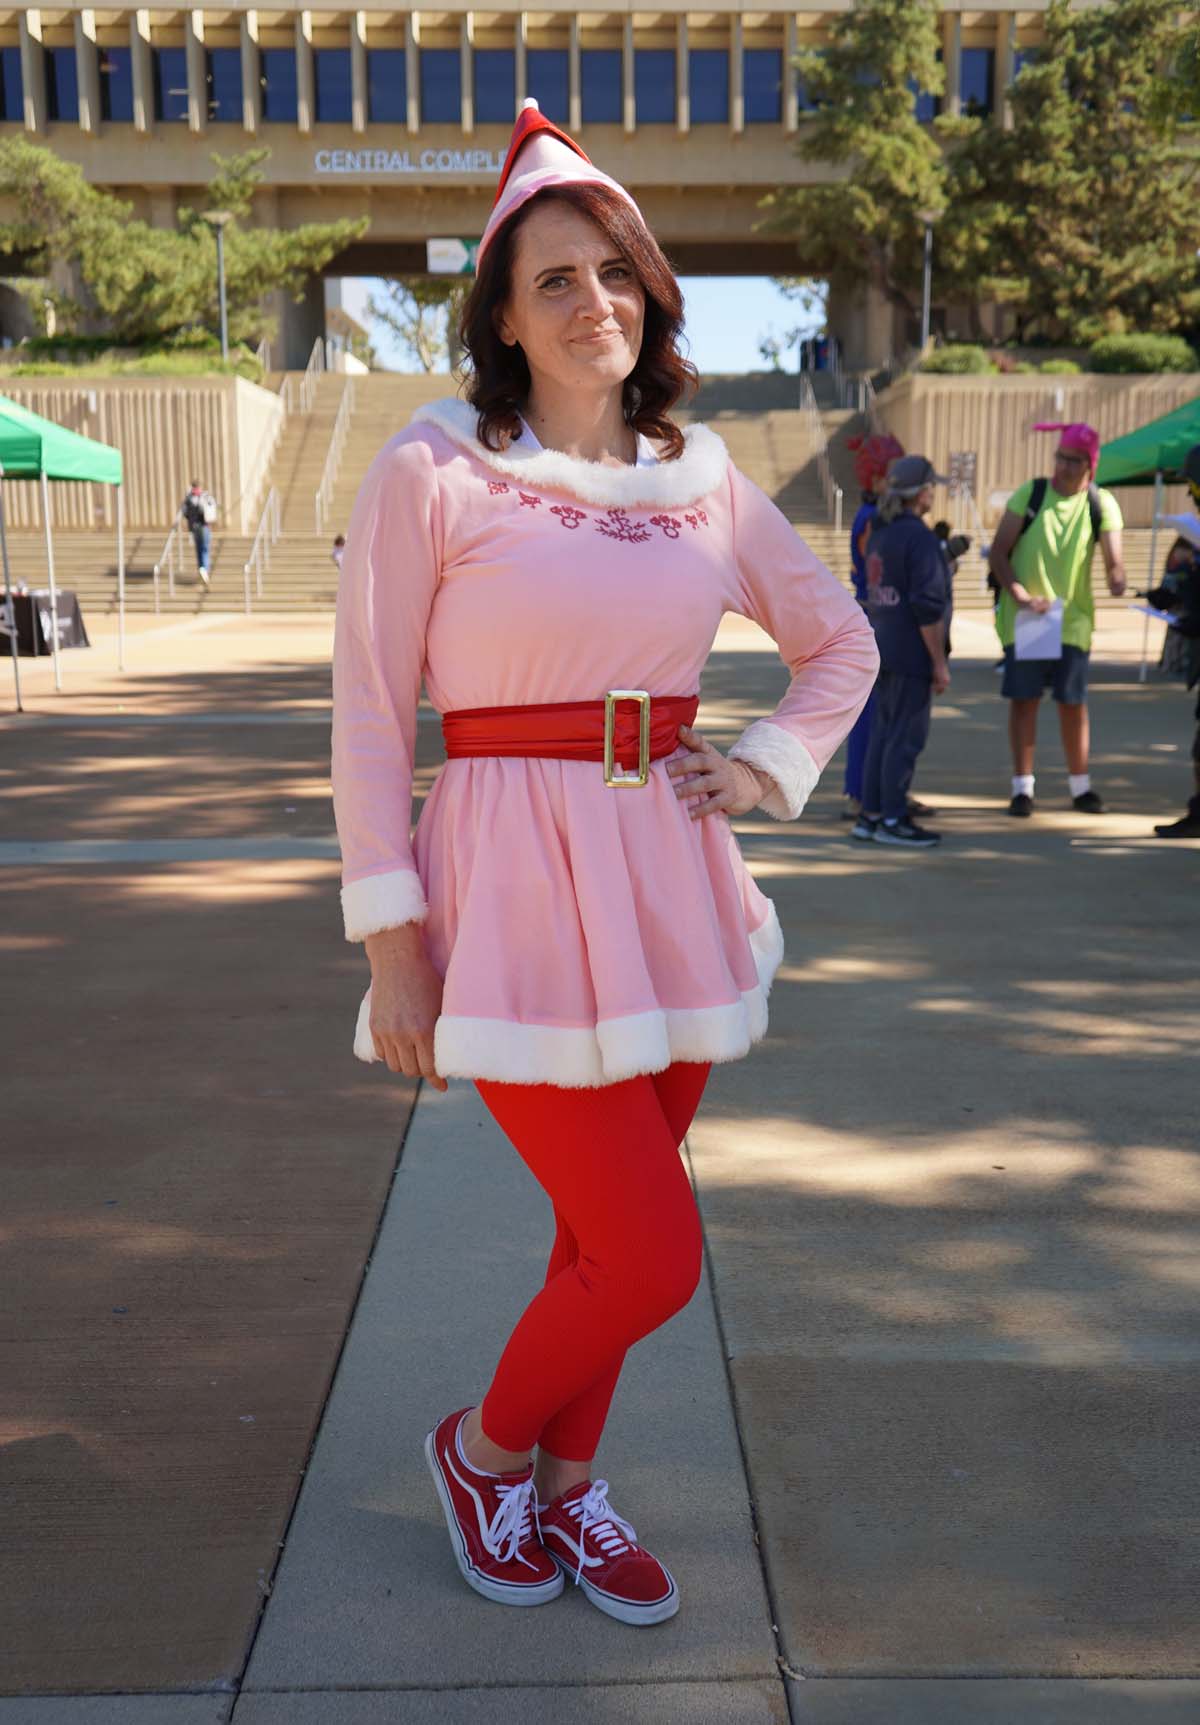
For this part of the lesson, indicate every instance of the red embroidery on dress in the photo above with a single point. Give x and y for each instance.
(668, 524)
(699, 519)
(529, 502)
(496, 486)
(619, 526)
(567, 516)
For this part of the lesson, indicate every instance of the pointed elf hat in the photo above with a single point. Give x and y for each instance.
(541, 155)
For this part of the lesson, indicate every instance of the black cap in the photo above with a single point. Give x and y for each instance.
(912, 473)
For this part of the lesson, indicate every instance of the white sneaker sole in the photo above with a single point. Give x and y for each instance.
(622, 1609)
(502, 1592)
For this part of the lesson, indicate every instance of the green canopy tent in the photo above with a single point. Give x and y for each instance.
(35, 448)
(1152, 455)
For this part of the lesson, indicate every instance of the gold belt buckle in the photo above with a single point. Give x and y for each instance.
(626, 781)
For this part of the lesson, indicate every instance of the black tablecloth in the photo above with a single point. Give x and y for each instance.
(34, 622)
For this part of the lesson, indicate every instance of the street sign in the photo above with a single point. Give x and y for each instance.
(451, 257)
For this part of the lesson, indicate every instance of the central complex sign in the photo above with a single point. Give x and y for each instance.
(400, 162)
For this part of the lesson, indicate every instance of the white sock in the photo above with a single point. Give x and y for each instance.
(1079, 782)
(462, 1455)
(1022, 785)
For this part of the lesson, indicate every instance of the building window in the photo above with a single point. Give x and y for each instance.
(600, 71)
(977, 69)
(495, 86)
(62, 85)
(708, 86)
(277, 76)
(762, 85)
(331, 84)
(387, 89)
(654, 86)
(12, 90)
(116, 84)
(441, 86)
(170, 83)
(547, 77)
(223, 75)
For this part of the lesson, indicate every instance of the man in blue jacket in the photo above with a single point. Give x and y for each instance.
(907, 602)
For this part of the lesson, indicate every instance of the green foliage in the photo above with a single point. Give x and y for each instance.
(865, 123)
(1061, 368)
(157, 362)
(423, 312)
(1129, 353)
(958, 360)
(144, 284)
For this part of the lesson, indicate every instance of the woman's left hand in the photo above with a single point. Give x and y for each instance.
(725, 786)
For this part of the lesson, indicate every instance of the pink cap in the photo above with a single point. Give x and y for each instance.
(1082, 438)
(548, 157)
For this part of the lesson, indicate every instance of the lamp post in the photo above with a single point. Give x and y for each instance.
(928, 217)
(216, 220)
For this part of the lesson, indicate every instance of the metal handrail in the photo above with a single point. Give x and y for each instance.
(262, 354)
(312, 371)
(260, 551)
(337, 442)
(818, 446)
(170, 554)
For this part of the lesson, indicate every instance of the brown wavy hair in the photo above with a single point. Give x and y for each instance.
(498, 381)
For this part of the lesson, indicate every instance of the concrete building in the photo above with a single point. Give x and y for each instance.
(404, 116)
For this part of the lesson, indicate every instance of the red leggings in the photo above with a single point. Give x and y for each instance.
(626, 1256)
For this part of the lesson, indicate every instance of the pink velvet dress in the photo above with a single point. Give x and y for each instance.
(584, 934)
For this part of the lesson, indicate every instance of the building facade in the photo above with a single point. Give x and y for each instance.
(404, 115)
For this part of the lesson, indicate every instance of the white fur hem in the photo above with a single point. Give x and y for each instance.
(618, 1048)
(789, 763)
(670, 485)
(382, 901)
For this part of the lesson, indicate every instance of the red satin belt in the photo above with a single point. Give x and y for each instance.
(567, 730)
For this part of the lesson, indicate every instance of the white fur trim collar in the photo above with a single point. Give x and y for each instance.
(670, 484)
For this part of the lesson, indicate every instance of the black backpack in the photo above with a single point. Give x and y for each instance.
(1038, 496)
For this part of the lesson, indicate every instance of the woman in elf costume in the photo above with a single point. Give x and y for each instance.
(572, 926)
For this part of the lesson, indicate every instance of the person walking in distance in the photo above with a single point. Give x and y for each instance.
(553, 555)
(1042, 558)
(872, 456)
(907, 598)
(199, 510)
(1179, 595)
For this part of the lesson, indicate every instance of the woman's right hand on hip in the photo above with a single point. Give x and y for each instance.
(406, 999)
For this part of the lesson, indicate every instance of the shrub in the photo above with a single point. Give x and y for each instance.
(1062, 367)
(958, 361)
(1128, 353)
(1024, 365)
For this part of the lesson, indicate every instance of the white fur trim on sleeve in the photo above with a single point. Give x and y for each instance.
(789, 763)
(382, 901)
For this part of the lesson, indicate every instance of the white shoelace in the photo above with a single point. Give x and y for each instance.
(511, 1522)
(594, 1516)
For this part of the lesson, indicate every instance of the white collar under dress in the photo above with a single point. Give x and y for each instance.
(668, 484)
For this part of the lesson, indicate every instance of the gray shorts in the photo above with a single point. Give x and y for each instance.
(1027, 679)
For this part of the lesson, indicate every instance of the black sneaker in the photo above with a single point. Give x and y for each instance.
(1021, 805)
(1186, 827)
(1088, 803)
(907, 833)
(864, 829)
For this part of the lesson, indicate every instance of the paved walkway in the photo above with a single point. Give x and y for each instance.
(929, 1422)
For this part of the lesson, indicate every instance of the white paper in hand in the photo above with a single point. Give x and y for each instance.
(1038, 634)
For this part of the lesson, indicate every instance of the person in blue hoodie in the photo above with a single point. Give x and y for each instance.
(907, 602)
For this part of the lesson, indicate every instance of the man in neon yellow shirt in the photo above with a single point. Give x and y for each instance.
(1042, 552)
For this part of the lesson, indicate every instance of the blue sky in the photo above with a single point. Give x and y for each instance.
(727, 317)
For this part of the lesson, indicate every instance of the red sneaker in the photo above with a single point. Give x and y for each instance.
(585, 1538)
(492, 1522)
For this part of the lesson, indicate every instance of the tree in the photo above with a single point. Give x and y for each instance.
(1084, 215)
(143, 284)
(813, 300)
(864, 124)
(422, 312)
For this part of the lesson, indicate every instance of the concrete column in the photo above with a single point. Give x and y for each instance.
(251, 74)
(412, 77)
(467, 55)
(33, 69)
(306, 103)
(87, 70)
(522, 50)
(791, 102)
(952, 57)
(142, 71)
(574, 77)
(683, 88)
(737, 83)
(197, 80)
(1006, 49)
(300, 325)
(358, 71)
(629, 101)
